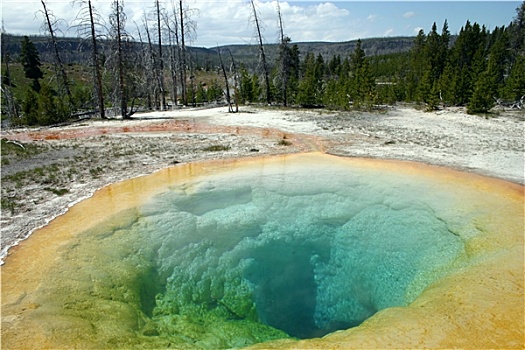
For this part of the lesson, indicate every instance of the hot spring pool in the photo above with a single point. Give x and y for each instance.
(234, 253)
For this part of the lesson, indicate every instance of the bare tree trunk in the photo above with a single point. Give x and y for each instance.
(173, 64)
(156, 73)
(96, 65)
(147, 65)
(176, 51)
(228, 99)
(65, 82)
(284, 59)
(263, 55)
(161, 59)
(183, 57)
(6, 81)
(120, 57)
(236, 84)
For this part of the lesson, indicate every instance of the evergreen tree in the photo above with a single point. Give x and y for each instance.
(515, 84)
(334, 66)
(30, 60)
(466, 63)
(433, 54)
(433, 64)
(246, 86)
(362, 82)
(481, 101)
(257, 89)
(214, 92)
(417, 63)
(499, 59)
(48, 111)
(201, 96)
(294, 74)
(309, 94)
(517, 31)
(286, 72)
(30, 108)
(447, 84)
(428, 91)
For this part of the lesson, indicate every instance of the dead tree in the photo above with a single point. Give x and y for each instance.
(117, 20)
(89, 19)
(154, 68)
(7, 83)
(59, 67)
(183, 56)
(173, 48)
(263, 55)
(235, 83)
(161, 58)
(284, 58)
(146, 75)
(145, 64)
(223, 69)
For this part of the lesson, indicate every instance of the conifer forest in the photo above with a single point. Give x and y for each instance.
(105, 72)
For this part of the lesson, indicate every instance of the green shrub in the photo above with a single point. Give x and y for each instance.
(216, 148)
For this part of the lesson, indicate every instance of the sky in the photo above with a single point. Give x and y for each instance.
(224, 22)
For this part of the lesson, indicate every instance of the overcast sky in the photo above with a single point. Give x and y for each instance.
(228, 21)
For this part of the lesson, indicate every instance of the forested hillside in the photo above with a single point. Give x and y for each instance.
(47, 80)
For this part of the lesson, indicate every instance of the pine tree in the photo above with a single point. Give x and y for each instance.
(517, 31)
(515, 84)
(309, 94)
(417, 66)
(256, 88)
(246, 86)
(30, 108)
(448, 85)
(481, 101)
(30, 60)
(48, 112)
(466, 62)
(499, 59)
(362, 82)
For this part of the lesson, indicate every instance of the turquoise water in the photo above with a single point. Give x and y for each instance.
(305, 250)
(264, 251)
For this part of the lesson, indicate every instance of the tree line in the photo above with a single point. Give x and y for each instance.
(476, 68)
(126, 72)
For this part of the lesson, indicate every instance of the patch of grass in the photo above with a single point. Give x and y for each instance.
(58, 192)
(18, 177)
(17, 149)
(8, 204)
(95, 172)
(216, 148)
(44, 175)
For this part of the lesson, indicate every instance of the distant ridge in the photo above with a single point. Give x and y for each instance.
(76, 50)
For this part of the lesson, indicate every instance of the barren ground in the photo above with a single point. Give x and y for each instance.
(46, 170)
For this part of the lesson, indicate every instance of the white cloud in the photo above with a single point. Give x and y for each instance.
(218, 21)
(371, 18)
(323, 22)
(388, 32)
(417, 29)
(409, 14)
